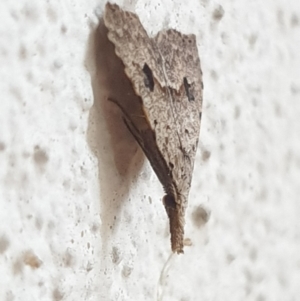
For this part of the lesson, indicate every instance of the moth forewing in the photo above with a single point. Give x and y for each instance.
(166, 77)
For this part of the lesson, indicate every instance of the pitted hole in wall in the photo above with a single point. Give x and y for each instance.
(295, 88)
(260, 166)
(67, 184)
(116, 255)
(126, 271)
(17, 267)
(187, 242)
(26, 154)
(29, 77)
(127, 218)
(277, 109)
(218, 13)
(57, 295)
(73, 124)
(31, 259)
(57, 63)
(51, 14)
(280, 18)
(16, 93)
(205, 2)
(38, 223)
(23, 53)
(4, 243)
(95, 228)
(253, 254)
(68, 259)
(221, 178)
(248, 289)
(51, 226)
(261, 297)
(225, 40)
(248, 275)
(63, 29)
(283, 278)
(9, 296)
(262, 194)
(252, 40)
(200, 216)
(30, 12)
(40, 156)
(185, 298)
(223, 124)
(2, 146)
(259, 277)
(230, 258)
(89, 267)
(253, 277)
(294, 20)
(289, 160)
(237, 112)
(205, 155)
(214, 75)
(12, 160)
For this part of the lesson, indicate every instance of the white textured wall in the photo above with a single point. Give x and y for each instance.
(80, 209)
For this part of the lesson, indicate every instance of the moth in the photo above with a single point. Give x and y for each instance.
(163, 105)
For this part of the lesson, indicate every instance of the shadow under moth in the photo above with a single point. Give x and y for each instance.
(162, 105)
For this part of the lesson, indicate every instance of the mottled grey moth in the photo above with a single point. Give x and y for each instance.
(163, 109)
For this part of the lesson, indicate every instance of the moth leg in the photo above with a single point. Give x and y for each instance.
(134, 131)
(129, 124)
(116, 102)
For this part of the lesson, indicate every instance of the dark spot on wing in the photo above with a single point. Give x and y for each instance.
(148, 79)
(188, 91)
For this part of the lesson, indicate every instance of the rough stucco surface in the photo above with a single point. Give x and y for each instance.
(80, 208)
